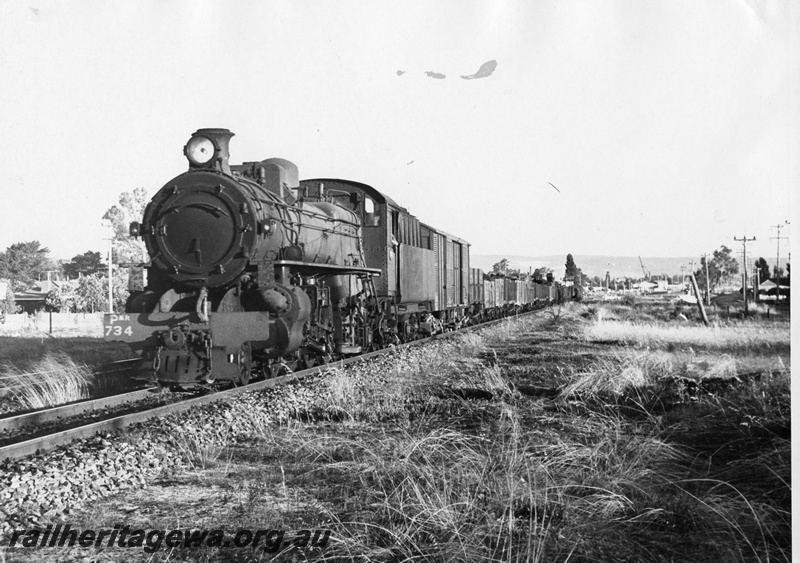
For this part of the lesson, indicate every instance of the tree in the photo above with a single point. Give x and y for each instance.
(131, 206)
(724, 264)
(23, 262)
(721, 267)
(126, 249)
(84, 264)
(120, 286)
(571, 271)
(500, 267)
(7, 304)
(62, 298)
(91, 294)
(763, 270)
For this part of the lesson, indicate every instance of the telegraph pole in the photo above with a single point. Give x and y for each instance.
(110, 280)
(699, 300)
(744, 240)
(778, 260)
(756, 283)
(708, 286)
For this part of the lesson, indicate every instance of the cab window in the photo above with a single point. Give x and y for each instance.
(371, 216)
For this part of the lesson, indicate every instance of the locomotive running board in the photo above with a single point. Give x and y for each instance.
(333, 269)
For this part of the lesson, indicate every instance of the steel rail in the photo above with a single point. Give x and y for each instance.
(71, 409)
(129, 361)
(51, 441)
(6, 419)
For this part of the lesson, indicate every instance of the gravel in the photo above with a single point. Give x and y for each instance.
(49, 486)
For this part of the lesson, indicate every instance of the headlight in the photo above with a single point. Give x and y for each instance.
(200, 150)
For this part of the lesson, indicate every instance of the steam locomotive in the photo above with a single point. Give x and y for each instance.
(252, 270)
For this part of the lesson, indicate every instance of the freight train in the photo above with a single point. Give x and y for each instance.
(252, 270)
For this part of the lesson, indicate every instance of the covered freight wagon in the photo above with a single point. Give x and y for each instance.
(476, 287)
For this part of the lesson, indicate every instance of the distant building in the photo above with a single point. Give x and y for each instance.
(35, 298)
(31, 301)
(770, 290)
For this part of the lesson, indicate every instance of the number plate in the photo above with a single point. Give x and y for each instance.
(117, 327)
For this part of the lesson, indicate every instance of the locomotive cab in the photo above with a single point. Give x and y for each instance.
(424, 272)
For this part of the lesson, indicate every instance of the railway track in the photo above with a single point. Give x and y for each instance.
(12, 421)
(55, 439)
(38, 417)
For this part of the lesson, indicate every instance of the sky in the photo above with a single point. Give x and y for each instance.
(623, 128)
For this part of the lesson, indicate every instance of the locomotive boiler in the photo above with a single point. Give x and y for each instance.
(247, 270)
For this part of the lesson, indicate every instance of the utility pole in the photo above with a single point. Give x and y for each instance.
(744, 240)
(684, 275)
(110, 240)
(778, 260)
(708, 283)
(699, 301)
(756, 282)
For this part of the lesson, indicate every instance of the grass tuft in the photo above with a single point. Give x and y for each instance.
(200, 449)
(54, 380)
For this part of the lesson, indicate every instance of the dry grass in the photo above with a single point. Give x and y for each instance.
(51, 371)
(608, 490)
(760, 338)
(202, 450)
(53, 380)
(23, 352)
(381, 398)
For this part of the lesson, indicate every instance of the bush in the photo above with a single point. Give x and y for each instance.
(7, 305)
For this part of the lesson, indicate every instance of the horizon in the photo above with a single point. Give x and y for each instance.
(619, 267)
